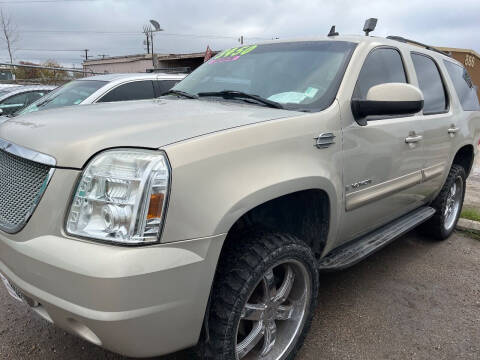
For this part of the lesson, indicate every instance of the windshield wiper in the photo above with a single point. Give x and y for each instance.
(181, 93)
(232, 94)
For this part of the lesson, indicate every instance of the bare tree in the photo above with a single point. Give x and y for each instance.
(9, 32)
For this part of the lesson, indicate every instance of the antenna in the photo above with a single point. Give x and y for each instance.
(369, 26)
(332, 31)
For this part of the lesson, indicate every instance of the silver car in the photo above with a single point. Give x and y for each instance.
(106, 88)
(205, 216)
(12, 99)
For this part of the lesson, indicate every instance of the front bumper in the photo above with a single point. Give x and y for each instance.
(138, 302)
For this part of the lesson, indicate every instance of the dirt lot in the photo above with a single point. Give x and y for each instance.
(416, 299)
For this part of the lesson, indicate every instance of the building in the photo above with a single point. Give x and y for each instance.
(144, 63)
(470, 59)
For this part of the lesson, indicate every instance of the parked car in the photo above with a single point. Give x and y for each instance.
(6, 86)
(13, 99)
(205, 216)
(107, 88)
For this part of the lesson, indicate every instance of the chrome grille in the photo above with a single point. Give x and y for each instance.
(22, 183)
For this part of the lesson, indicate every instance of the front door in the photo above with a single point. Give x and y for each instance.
(383, 160)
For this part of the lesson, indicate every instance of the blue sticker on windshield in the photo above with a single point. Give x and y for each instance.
(232, 54)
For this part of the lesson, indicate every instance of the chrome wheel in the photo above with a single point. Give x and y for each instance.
(453, 203)
(273, 316)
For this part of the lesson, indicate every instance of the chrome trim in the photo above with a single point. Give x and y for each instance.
(28, 215)
(453, 129)
(433, 171)
(413, 139)
(324, 140)
(362, 197)
(33, 156)
(28, 154)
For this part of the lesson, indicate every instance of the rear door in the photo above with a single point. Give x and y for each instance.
(438, 121)
(382, 172)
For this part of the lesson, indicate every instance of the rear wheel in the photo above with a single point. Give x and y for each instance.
(448, 204)
(263, 299)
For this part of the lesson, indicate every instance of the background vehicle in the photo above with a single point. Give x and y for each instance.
(205, 216)
(106, 88)
(16, 98)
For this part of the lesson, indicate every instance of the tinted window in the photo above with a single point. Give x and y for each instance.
(164, 85)
(34, 96)
(430, 83)
(137, 90)
(463, 86)
(381, 66)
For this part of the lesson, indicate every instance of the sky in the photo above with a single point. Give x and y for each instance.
(60, 29)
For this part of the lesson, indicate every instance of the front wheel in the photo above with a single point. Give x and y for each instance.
(263, 299)
(448, 204)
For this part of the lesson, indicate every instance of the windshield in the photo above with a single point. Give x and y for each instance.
(72, 93)
(299, 75)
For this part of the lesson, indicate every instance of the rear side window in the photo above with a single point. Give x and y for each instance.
(383, 65)
(137, 90)
(463, 86)
(164, 85)
(431, 84)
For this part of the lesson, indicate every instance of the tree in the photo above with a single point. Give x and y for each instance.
(53, 77)
(27, 73)
(9, 32)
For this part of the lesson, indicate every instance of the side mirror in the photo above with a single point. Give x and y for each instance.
(388, 99)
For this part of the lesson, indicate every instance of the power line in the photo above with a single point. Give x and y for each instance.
(137, 33)
(42, 1)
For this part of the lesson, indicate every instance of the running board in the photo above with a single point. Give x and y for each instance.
(357, 250)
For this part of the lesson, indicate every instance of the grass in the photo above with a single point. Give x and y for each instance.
(470, 214)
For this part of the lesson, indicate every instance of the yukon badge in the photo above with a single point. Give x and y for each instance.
(358, 184)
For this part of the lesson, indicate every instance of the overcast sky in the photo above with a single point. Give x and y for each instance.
(113, 27)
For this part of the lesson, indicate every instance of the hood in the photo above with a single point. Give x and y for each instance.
(73, 134)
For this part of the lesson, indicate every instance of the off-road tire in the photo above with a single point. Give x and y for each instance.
(242, 265)
(435, 227)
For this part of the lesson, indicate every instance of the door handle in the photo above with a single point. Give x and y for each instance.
(413, 138)
(452, 130)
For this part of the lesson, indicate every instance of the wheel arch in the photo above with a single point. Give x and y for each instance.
(302, 207)
(465, 157)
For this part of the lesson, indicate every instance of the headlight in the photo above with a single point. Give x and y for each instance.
(121, 197)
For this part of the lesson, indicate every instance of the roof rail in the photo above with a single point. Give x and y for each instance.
(173, 70)
(428, 47)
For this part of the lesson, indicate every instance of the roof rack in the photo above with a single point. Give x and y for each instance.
(428, 47)
(174, 70)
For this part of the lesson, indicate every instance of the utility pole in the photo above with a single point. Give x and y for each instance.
(103, 56)
(147, 29)
(241, 40)
(86, 54)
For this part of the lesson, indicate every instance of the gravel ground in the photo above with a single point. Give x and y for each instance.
(415, 299)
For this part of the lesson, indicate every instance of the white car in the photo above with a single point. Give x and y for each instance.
(106, 88)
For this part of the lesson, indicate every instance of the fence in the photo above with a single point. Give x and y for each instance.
(25, 74)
